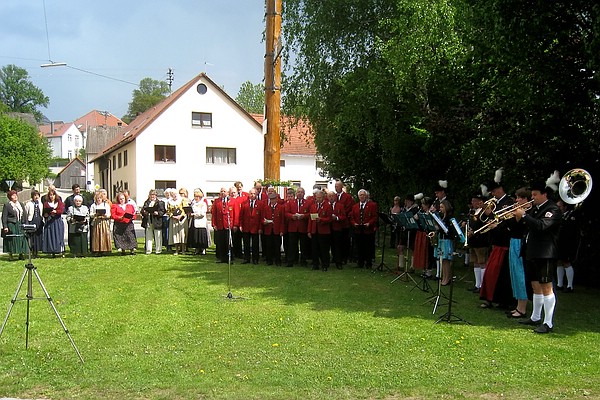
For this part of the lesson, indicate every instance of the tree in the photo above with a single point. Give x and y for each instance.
(150, 93)
(25, 153)
(19, 94)
(251, 97)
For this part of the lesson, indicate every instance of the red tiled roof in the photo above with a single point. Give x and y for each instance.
(97, 118)
(138, 125)
(59, 129)
(299, 140)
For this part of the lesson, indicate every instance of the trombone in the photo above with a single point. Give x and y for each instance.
(504, 214)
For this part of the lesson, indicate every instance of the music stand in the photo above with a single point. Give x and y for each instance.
(407, 221)
(435, 298)
(450, 317)
(427, 225)
(29, 271)
(387, 220)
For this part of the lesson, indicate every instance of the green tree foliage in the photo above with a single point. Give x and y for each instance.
(401, 93)
(19, 94)
(25, 153)
(150, 93)
(251, 97)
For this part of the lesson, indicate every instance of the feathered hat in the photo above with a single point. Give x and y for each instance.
(441, 186)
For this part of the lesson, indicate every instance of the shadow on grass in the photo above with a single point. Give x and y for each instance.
(361, 291)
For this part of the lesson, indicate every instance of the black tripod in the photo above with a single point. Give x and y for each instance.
(29, 271)
(449, 316)
(229, 295)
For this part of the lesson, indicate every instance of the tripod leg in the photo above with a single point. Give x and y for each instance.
(12, 301)
(57, 315)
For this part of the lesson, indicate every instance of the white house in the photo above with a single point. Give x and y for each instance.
(198, 137)
(64, 139)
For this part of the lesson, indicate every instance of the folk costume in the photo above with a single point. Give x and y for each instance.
(100, 228)
(78, 219)
(251, 218)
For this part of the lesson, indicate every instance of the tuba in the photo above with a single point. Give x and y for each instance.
(575, 186)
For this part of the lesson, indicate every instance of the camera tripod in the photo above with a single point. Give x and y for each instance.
(450, 317)
(29, 272)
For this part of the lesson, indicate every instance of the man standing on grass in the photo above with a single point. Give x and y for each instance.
(541, 254)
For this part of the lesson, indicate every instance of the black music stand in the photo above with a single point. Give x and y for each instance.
(387, 220)
(450, 317)
(29, 271)
(426, 224)
(407, 221)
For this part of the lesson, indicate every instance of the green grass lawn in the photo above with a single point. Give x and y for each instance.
(160, 327)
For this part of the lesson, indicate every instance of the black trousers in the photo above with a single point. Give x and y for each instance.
(365, 246)
(337, 246)
(251, 246)
(221, 244)
(237, 243)
(320, 249)
(272, 249)
(297, 241)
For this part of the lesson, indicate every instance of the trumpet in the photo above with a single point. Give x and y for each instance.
(504, 214)
(433, 238)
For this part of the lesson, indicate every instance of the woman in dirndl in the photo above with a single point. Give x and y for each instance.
(123, 215)
(13, 217)
(33, 216)
(445, 247)
(197, 233)
(78, 217)
(177, 221)
(54, 227)
(100, 225)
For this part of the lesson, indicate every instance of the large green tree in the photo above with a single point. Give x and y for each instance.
(401, 93)
(251, 97)
(150, 93)
(19, 94)
(25, 153)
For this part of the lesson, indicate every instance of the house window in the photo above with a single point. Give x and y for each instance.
(165, 154)
(76, 141)
(69, 154)
(69, 137)
(126, 186)
(282, 163)
(160, 186)
(125, 158)
(120, 160)
(201, 120)
(114, 162)
(218, 155)
(295, 184)
(321, 184)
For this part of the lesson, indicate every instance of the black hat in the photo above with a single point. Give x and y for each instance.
(410, 197)
(497, 182)
(541, 187)
(441, 186)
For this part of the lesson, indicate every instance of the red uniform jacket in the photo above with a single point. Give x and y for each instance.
(275, 214)
(339, 211)
(251, 219)
(323, 225)
(369, 216)
(291, 209)
(220, 212)
(117, 213)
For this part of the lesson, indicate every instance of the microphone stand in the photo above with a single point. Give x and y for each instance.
(229, 294)
(29, 271)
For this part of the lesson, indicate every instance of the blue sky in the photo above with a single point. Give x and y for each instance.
(129, 40)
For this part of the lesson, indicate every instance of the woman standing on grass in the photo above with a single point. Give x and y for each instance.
(78, 217)
(54, 227)
(123, 215)
(100, 225)
(33, 216)
(12, 232)
(177, 221)
(197, 234)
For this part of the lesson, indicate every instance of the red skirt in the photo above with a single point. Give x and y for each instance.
(421, 251)
(492, 271)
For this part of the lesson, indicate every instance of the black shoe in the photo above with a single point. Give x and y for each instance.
(560, 288)
(544, 328)
(569, 290)
(531, 322)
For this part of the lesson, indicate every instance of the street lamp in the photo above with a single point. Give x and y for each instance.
(54, 64)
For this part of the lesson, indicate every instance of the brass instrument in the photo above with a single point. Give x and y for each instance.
(504, 214)
(433, 238)
(488, 205)
(575, 186)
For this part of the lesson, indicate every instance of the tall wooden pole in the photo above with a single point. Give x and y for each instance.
(273, 88)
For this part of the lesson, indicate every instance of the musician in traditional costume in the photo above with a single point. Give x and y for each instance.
(406, 235)
(297, 215)
(273, 229)
(54, 227)
(221, 219)
(319, 230)
(251, 218)
(346, 199)
(496, 286)
(100, 225)
(569, 241)
(78, 219)
(444, 250)
(541, 254)
(123, 215)
(338, 221)
(364, 222)
(479, 244)
(423, 253)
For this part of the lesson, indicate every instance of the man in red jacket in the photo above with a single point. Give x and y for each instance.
(348, 202)
(364, 219)
(338, 222)
(273, 229)
(222, 216)
(251, 218)
(297, 215)
(319, 230)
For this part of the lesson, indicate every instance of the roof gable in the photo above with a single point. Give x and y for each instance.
(144, 120)
(55, 129)
(97, 118)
